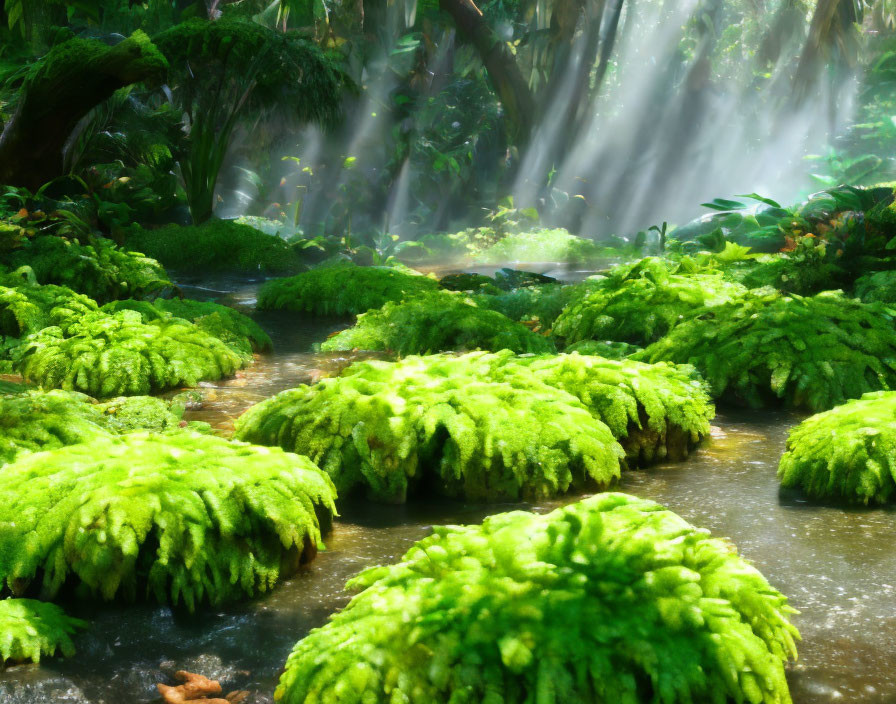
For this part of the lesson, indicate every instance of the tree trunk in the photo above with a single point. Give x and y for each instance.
(74, 78)
(500, 63)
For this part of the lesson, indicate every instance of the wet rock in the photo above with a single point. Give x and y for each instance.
(31, 685)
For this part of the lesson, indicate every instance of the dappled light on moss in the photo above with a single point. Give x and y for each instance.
(31, 629)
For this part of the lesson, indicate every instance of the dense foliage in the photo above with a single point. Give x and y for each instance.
(99, 269)
(811, 353)
(435, 322)
(879, 286)
(183, 518)
(612, 599)
(230, 326)
(30, 629)
(117, 354)
(215, 246)
(847, 453)
(423, 424)
(545, 246)
(342, 289)
(640, 303)
(539, 305)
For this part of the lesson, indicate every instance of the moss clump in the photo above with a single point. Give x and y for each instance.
(107, 355)
(32, 421)
(545, 246)
(30, 308)
(877, 287)
(847, 453)
(435, 322)
(537, 305)
(424, 424)
(656, 411)
(611, 599)
(238, 331)
(183, 518)
(812, 353)
(99, 269)
(604, 348)
(640, 304)
(342, 289)
(469, 282)
(217, 245)
(30, 629)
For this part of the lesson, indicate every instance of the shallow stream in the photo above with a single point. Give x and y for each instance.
(837, 566)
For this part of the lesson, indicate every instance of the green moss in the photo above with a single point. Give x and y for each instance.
(238, 331)
(183, 518)
(26, 309)
(118, 355)
(129, 413)
(35, 421)
(100, 269)
(656, 411)
(424, 424)
(216, 246)
(640, 304)
(545, 246)
(877, 287)
(611, 599)
(604, 348)
(342, 289)
(541, 305)
(30, 629)
(468, 282)
(435, 322)
(811, 353)
(847, 453)
(445, 248)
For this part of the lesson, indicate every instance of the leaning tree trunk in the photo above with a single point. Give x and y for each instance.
(73, 78)
(500, 63)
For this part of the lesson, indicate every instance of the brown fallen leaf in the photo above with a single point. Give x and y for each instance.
(194, 688)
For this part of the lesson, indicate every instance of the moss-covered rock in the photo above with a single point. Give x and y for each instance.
(29, 308)
(184, 518)
(847, 453)
(436, 322)
(100, 269)
(540, 305)
(33, 421)
(656, 411)
(641, 303)
(425, 424)
(877, 287)
(469, 282)
(612, 599)
(31, 629)
(106, 355)
(233, 328)
(545, 246)
(812, 353)
(216, 246)
(342, 289)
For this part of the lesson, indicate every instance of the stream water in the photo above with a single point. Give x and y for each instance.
(838, 566)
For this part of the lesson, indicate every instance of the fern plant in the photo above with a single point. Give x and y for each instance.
(435, 322)
(31, 629)
(537, 305)
(217, 245)
(99, 269)
(656, 411)
(238, 331)
(847, 453)
(639, 304)
(427, 425)
(611, 599)
(811, 353)
(107, 355)
(182, 518)
(342, 289)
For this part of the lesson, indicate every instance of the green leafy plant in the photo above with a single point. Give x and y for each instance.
(434, 322)
(182, 518)
(640, 303)
(230, 326)
(117, 354)
(656, 411)
(604, 348)
(30, 629)
(99, 269)
(538, 305)
(611, 599)
(847, 453)
(423, 424)
(215, 246)
(342, 289)
(811, 353)
(879, 286)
